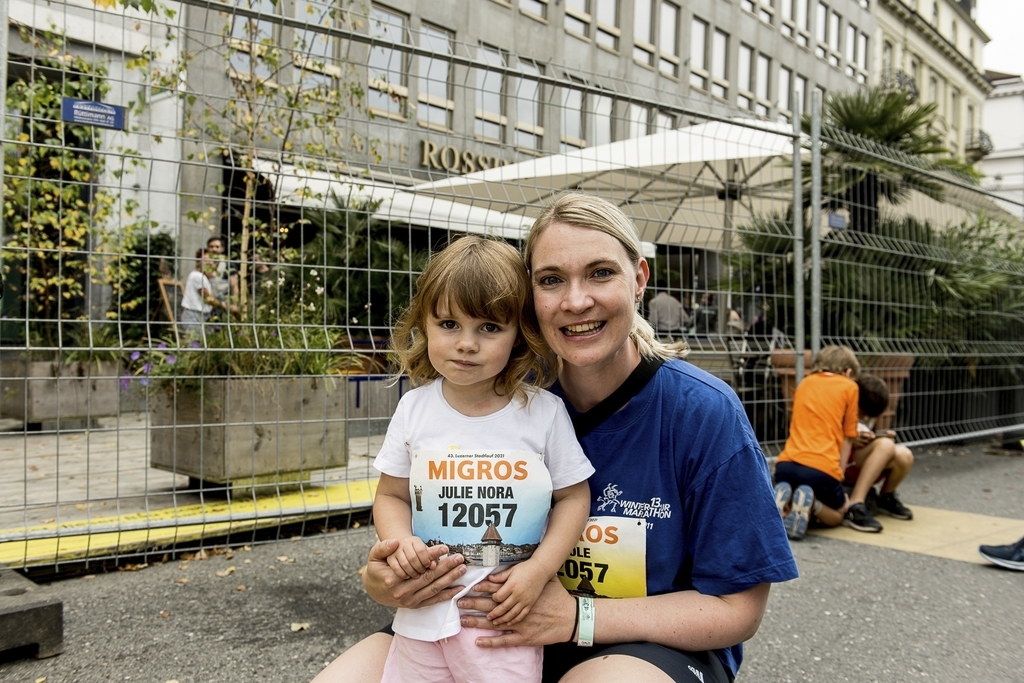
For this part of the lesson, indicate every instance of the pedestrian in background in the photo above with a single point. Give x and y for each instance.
(667, 315)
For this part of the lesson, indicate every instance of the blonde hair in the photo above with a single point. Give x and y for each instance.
(486, 279)
(583, 210)
(837, 359)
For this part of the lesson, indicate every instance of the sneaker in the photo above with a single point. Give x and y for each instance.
(800, 513)
(858, 517)
(783, 494)
(1008, 556)
(891, 505)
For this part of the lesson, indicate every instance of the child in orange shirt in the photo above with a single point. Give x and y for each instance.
(809, 472)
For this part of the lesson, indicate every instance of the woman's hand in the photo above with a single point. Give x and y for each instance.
(433, 586)
(550, 620)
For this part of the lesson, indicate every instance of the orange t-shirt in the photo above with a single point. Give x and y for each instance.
(824, 413)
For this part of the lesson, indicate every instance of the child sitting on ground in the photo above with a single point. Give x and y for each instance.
(809, 472)
(877, 455)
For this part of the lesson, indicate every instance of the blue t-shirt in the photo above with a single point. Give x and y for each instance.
(682, 498)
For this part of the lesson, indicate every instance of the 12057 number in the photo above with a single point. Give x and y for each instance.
(478, 514)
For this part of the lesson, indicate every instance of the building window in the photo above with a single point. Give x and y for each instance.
(435, 80)
(762, 9)
(970, 49)
(638, 121)
(490, 90)
(315, 61)
(573, 108)
(664, 25)
(851, 50)
(745, 78)
(603, 110)
(833, 39)
(803, 22)
(699, 74)
(720, 65)
(970, 118)
(800, 92)
(663, 122)
(536, 8)
(933, 90)
(887, 59)
(953, 31)
(821, 30)
(862, 58)
(785, 94)
(250, 39)
(954, 109)
(389, 90)
(594, 19)
(529, 131)
(761, 86)
(935, 14)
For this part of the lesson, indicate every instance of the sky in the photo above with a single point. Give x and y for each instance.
(1003, 21)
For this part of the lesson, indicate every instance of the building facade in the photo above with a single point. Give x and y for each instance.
(1004, 167)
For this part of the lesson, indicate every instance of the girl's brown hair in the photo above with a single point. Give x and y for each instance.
(837, 359)
(486, 279)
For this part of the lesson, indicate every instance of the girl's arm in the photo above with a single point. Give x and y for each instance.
(524, 582)
(392, 513)
(844, 453)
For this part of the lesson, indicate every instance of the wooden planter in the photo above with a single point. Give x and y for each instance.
(244, 432)
(893, 369)
(50, 392)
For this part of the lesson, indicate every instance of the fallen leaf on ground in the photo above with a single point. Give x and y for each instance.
(165, 614)
(41, 679)
(226, 572)
(285, 558)
(361, 570)
(132, 567)
(33, 468)
(296, 626)
(182, 580)
(240, 587)
(49, 520)
(183, 566)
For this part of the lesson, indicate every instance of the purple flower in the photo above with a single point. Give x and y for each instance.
(125, 382)
(147, 368)
(136, 355)
(171, 360)
(161, 345)
(195, 344)
(144, 381)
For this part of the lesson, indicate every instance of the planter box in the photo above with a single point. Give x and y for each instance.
(48, 392)
(244, 432)
(372, 400)
(893, 369)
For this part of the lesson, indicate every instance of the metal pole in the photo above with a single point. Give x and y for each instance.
(798, 245)
(4, 32)
(815, 223)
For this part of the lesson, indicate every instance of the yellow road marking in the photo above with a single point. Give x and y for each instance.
(73, 540)
(939, 533)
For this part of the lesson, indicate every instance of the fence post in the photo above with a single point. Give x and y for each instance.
(798, 245)
(4, 9)
(815, 223)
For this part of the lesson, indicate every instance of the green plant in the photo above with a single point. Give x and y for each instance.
(58, 218)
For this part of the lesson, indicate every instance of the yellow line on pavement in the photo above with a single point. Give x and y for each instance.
(939, 533)
(73, 540)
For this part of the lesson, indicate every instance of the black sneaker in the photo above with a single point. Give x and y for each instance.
(858, 517)
(1008, 556)
(891, 505)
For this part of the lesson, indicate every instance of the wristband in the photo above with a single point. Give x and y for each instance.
(576, 621)
(586, 622)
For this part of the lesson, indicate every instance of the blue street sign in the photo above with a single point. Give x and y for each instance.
(836, 220)
(91, 113)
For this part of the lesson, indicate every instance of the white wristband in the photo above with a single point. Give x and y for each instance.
(586, 634)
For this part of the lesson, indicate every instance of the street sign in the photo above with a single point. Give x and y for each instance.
(836, 220)
(91, 113)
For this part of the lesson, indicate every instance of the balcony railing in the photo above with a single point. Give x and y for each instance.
(977, 145)
(899, 79)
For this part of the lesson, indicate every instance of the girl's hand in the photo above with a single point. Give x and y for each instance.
(431, 587)
(550, 620)
(522, 586)
(411, 559)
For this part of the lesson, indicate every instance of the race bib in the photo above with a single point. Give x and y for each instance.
(610, 559)
(490, 506)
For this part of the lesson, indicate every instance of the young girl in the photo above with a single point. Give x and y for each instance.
(476, 459)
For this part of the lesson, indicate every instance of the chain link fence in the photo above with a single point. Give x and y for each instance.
(300, 161)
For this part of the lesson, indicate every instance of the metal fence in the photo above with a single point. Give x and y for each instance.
(329, 150)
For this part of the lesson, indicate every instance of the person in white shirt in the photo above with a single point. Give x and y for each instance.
(667, 316)
(198, 300)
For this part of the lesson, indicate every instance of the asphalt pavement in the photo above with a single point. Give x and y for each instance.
(859, 612)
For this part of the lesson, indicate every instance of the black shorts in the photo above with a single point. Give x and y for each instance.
(826, 489)
(678, 665)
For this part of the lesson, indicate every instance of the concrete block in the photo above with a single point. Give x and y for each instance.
(29, 616)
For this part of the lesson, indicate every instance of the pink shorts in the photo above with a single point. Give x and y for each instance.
(459, 660)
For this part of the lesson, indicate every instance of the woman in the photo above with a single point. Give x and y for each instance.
(684, 528)
(198, 301)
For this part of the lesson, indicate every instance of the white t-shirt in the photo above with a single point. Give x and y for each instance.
(480, 485)
(193, 297)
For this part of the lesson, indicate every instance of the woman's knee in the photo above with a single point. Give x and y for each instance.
(904, 457)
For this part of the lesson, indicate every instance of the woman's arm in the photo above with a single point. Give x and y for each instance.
(685, 620)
